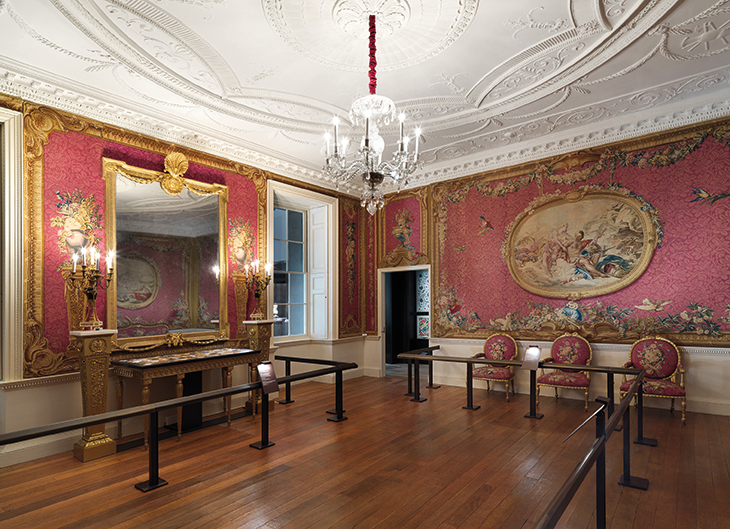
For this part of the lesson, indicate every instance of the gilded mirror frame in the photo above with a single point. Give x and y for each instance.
(172, 182)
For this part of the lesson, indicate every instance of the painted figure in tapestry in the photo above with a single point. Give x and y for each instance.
(402, 230)
(589, 249)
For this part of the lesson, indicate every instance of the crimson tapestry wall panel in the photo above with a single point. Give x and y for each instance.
(350, 272)
(630, 243)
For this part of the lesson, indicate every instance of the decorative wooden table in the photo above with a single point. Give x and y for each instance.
(147, 369)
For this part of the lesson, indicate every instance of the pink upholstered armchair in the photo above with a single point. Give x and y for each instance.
(570, 348)
(497, 347)
(662, 362)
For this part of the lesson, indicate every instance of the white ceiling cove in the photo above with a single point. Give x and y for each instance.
(491, 83)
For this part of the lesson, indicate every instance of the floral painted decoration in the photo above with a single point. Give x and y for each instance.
(241, 243)
(79, 220)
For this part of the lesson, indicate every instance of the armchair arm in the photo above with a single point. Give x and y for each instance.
(548, 359)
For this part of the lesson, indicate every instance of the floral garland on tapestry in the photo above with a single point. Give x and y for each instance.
(455, 314)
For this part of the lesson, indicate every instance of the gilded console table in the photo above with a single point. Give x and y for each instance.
(147, 369)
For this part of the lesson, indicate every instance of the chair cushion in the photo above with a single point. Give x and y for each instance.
(564, 378)
(500, 347)
(492, 373)
(665, 388)
(571, 350)
(658, 357)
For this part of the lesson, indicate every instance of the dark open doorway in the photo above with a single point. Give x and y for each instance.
(401, 297)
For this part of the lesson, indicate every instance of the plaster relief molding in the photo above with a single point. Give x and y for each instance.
(28, 88)
(146, 68)
(702, 351)
(528, 22)
(595, 55)
(171, 43)
(333, 40)
(585, 138)
(673, 93)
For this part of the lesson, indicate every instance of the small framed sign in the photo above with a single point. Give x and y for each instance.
(532, 358)
(268, 377)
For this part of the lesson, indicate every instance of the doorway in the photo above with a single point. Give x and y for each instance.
(406, 305)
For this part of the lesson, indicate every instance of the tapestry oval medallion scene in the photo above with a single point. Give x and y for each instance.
(581, 244)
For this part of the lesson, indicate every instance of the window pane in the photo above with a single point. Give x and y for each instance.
(296, 320)
(279, 255)
(297, 288)
(281, 321)
(296, 226)
(296, 257)
(279, 223)
(281, 288)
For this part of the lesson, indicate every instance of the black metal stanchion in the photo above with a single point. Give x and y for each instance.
(601, 470)
(410, 378)
(287, 399)
(338, 411)
(417, 382)
(640, 439)
(611, 396)
(155, 481)
(430, 374)
(470, 389)
(264, 443)
(627, 480)
(533, 397)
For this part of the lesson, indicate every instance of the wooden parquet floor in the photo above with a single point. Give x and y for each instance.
(392, 464)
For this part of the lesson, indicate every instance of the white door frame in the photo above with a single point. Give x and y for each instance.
(381, 304)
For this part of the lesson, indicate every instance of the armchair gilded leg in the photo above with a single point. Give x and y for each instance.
(556, 393)
(684, 408)
(586, 399)
(537, 395)
(671, 404)
(506, 389)
(178, 394)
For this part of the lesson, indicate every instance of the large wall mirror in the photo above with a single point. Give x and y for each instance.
(169, 236)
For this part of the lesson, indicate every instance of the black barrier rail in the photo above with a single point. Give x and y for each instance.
(597, 455)
(152, 410)
(425, 351)
(337, 411)
(609, 371)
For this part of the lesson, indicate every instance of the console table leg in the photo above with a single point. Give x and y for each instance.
(146, 400)
(120, 403)
(178, 394)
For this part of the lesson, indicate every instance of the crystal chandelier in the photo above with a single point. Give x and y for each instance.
(371, 111)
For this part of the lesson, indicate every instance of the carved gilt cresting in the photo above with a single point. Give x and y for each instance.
(95, 348)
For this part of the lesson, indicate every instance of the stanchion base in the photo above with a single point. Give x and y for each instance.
(634, 482)
(334, 411)
(409, 394)
(146, 487)
(260, 446)
(419, 399)
(646, 441)
(618, 428)
(336, 419)
(433, 387)
(284, 401)
(536, 416)
(470, 407)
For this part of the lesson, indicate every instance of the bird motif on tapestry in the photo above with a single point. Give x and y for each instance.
(486, 225)
(655, 306)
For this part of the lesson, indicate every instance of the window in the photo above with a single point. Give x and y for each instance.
(302, 244)
(290, 272)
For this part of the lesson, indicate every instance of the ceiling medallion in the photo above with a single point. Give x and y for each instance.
(392, 15)
(371, 111)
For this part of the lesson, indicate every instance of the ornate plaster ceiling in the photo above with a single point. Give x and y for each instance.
(490, 83)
